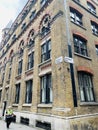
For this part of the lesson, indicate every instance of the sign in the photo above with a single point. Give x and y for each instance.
(59, 60)
(68, 59)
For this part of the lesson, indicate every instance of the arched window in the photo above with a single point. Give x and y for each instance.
(85, 86)
(5, 59)
(31, 39)
(91, 8)
(11, 55)
(94, 27)
(80, 45)
(21, 45)
(76, 16)
(43, 2)
(45, 25)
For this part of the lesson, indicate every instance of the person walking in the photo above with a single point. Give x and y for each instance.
(8, 116)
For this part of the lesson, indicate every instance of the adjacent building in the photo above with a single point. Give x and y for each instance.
(49, 65)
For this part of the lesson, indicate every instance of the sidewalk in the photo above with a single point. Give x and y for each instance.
(16, 126)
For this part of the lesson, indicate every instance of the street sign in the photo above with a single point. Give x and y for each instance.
(68, 59)
(59, 60)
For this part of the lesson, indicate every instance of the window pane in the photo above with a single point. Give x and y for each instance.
(82, 94)
(80, 46)
(20, 67)
(30, 60)
(28, 95)
(46, 51)
(86, 87)
(46, 89)
(17, 93)
(94, 27)
(96, 47)
(75, 16)
(91, 8)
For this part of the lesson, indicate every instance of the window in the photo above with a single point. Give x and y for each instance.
(7, 46)
(96, 46)
(77, 1)
(46, 51)
(91, 8)
(0, 94)
(6, 93)
(23, 26)
(80, 46)
(14, 37)
(75, 16)
(86, 87)
(43, 2)
(2, 52)
(31, 42)
(32, 15)
(21, 47)
(24, 14)
(28, 95)
(30, 60)
(9, 73)
(20, 67)
(94, 27)
(32, 1)
(3, 76)
(46, 89)
(31, 38)
(45, 26)
(31, 4)
(17, 96)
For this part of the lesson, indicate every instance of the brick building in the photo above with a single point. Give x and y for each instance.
(49, 64)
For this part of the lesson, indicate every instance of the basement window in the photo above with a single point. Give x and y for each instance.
(44, 125)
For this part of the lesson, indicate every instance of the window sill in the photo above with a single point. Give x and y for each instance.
(15, 105)
(44, 35)
(29, 71)
(79, 25)
(88, 103)
(30, 46)
(86, 57)
(95, 34)
(18, 77)
(27, 105)
(91, 12)
(45, 105)
(45, 62)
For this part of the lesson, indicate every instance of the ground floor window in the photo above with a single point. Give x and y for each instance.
(46, 89)
(86, 87)
(28, 94)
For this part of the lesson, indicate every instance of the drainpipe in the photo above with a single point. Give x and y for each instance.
(70, 55)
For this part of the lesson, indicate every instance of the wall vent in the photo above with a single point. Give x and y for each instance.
(24, 121)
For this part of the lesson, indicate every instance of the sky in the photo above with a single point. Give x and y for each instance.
(9, 10)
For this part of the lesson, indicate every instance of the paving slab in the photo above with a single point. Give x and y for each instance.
(16, 126)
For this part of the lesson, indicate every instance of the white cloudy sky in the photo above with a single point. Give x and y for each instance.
(9, 9)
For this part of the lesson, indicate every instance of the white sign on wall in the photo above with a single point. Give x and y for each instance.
(68, 59)
(59, 60)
